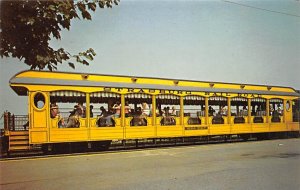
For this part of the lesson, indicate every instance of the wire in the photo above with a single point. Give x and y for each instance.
(262, 9)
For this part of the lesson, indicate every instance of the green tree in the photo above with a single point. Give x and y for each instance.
(27, 27)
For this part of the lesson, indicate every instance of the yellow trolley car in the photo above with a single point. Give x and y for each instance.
(91, 108)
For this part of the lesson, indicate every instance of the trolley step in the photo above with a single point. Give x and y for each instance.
(18, 133)
(22, 142)
(18, 148)
(19, 137)
(18, 141)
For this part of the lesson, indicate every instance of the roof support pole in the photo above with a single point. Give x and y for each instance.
(206, 111)
(249, 110)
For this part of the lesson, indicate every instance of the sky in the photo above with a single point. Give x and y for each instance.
(252, 42)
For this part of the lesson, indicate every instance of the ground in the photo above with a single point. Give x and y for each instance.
(273, 164)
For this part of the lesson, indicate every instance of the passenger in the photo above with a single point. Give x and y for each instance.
(61, 123)
(105, 115)
(223, 110)
(91, 111)
(54, 110)
(117, 109)
(145, 109)
(211, 111)
(173, 113)
(163, 112)
(127, 109)
(258, 111)
(253, 111)
(138, 111)
(245, 111)
(74, 111)
(168, 119)
(168, 111)
(158, 113)
(271, 110)
(73, 119)
(81, 110)
(279, 110)
(26, 125)
(139, 119)
(203, 111)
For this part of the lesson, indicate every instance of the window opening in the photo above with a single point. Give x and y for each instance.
(296, 110)
(105, 107)
(39, 100)
(138, 106)
(276, 110)
(68, 107)
(258, 109)
(217, 107)
(194, 108)
(168, 108)
(239, 109)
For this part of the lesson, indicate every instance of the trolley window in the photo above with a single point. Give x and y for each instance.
(138, 107)
(39, 100)
(194, 109)
(105, 107)
(68, 107)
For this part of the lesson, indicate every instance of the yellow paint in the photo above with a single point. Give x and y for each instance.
(144, 80)
(43, 129)
(38, 137)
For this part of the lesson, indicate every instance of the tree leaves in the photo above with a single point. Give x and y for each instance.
(92, 6)
(71, 65)
(28, 26)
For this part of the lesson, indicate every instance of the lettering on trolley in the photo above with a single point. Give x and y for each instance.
(250, 95)
(140, 90)
(196, 128)
(226, 94)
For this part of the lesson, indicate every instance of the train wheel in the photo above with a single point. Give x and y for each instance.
(245, 137)
(102, 145)
(261, 136)
(46, 148)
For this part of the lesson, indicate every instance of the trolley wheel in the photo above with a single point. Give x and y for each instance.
(46, 148)
(101, 145)
(245, 137)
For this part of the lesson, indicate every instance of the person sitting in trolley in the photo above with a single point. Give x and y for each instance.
(139, 119)
(81, 109)
(244, 111)
(145, 109)
(107, 118)
(211, 111)
(173, 113)
(91, 111)
(223, 111)
(117, 109)
(167, 118)
(127, 109)
(73, 120)
(54, 112)
(279, 110)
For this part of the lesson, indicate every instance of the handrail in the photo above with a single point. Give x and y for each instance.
(15, 122)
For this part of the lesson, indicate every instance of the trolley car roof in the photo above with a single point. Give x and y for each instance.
(23, 79)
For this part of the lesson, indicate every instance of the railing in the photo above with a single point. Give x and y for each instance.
(15, 122)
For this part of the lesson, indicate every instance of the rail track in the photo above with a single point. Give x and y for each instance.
(71, 149)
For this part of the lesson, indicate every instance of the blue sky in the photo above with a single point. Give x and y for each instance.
(198, 40)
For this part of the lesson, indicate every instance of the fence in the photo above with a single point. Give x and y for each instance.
(15, 122)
